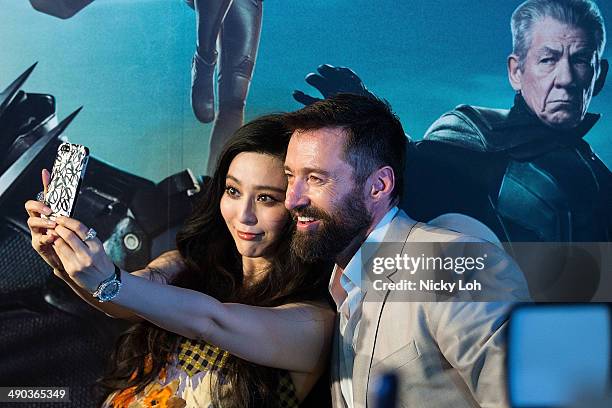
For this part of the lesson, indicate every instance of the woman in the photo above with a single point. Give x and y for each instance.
(221, 318)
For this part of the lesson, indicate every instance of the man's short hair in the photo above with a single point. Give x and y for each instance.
(374, 135)
(578, 13)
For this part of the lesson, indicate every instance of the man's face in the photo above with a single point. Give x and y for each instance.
(322, 195)
(559, 73)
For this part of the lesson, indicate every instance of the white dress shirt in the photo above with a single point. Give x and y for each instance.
(349, 307)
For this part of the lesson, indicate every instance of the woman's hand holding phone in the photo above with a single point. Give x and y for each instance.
(61, 243)
(84, 260)
(43, 230)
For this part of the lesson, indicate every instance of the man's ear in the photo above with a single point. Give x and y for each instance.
(601, 79)
(514, 73)
(382, 183)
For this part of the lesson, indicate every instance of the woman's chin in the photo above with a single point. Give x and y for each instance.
(250, 251)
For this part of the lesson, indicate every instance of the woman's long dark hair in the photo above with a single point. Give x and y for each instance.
(214, 267)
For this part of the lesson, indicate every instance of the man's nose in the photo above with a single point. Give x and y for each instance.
(247, 214)
(296, 195)
(564, 74)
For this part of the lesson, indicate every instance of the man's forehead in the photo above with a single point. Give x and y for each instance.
(323, 140)
(550, 34)
(315, 147)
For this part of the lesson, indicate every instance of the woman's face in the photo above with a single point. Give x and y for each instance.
(253, 203)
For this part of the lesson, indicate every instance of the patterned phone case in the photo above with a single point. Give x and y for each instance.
(66, 177)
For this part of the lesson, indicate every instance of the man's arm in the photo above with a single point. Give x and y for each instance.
(471, 335)
(472, 338)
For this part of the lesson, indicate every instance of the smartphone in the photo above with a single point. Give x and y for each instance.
(66, 177)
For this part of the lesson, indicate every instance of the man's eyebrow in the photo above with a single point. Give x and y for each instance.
(548, 50)
(317, 170)
(311, 170)
(259, 187)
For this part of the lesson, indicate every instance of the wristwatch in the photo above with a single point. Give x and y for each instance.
(108, 289)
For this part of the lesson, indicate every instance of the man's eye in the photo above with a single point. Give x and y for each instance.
(547, 60)
(314, 179)
(231, 191)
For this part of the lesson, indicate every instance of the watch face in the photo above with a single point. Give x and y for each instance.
(110, 290)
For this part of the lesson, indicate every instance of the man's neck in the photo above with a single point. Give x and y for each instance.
(344, 257)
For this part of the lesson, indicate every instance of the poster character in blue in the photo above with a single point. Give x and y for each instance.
(235, 25)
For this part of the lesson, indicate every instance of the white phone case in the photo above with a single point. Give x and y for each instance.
(66, 176)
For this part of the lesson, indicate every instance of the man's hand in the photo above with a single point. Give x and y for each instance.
(330, 81)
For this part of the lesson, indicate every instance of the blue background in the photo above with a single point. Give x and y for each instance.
(560, 355)
(128, 62)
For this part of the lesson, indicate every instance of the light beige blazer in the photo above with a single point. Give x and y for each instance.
(446, 354)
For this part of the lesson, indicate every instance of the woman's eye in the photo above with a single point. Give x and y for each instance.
(265, 198)
(231, 191)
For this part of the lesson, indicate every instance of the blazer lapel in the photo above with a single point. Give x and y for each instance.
(371, 310)
(336, 390)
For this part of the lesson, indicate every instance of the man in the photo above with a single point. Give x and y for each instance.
(344, 166)
(527, 172)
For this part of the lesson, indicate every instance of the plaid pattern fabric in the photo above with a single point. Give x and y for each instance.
(286, 392)
(194, 357)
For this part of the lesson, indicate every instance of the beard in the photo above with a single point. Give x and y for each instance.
(336, 231)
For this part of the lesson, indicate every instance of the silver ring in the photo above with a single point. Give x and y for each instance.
(91, 234)
(40, 196)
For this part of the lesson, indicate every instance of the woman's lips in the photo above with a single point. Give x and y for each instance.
(248, 236)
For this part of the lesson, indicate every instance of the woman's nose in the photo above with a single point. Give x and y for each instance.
(247, 214)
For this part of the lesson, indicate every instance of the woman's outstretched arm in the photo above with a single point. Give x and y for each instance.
(293, 337)
(160, 270)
